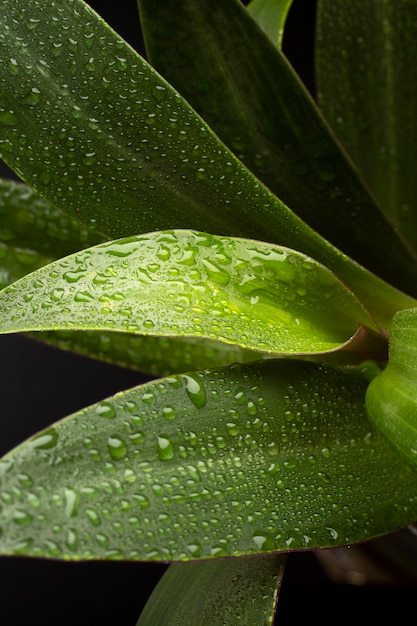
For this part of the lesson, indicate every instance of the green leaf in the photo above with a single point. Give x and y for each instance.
(225, 66)
(147, 159)
(391, 399)
(271, 16)
(183, 283)
(272, 456)
(368, 85)
(159, 356)
(223, 591)
(34, 233)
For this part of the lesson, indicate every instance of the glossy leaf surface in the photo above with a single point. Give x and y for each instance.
(150, 161)
(243, 86)
(174, 283)
(33, 233)
(368, 85)
(392, 396)
(277, 455)
(271, 16)
(223, 591)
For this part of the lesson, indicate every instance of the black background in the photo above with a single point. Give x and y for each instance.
(39, 385)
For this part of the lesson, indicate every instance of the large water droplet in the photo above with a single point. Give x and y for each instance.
(195, 391)
(46, 440)
(263, 540)
(71, 502)
(117, 447)
(106, 409)
(165, 448)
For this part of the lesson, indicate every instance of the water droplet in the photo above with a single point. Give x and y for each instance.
(33, 97)
(106, 409)
(195, 391)
(169, 412)
(46, 440)
(141, 501)
(263, 540)
(22, 518)
(216, 273)
(117, 448)
(71, 539)
(148, 397)
(8, 118)
(232, 429)
(165, 448)
(93, 517)
(72, 500)
(137, 438)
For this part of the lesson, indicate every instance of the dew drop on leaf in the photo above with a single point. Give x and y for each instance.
(165, 448)
(106, 409)
(195, 391)
(117, 447)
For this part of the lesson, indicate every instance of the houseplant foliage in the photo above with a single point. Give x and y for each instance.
(199, 217)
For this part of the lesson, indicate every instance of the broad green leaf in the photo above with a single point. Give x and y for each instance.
(272, 456)
(184, 283)
(368, 84)
(391, 399)
(223, 591)
(95, 130)
(243, 86)
(33, 233)
(271, 16)
(159, 356)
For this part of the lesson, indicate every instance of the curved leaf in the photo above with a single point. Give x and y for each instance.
(184, 283)
(158, 356)
(391, 399)
(223, 591)
(271, 16)
(368, 85)
(225, 66)
(33, 233)
(266, 457)
(148, 161)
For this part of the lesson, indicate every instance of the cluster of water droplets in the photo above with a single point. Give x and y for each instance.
(185, 283)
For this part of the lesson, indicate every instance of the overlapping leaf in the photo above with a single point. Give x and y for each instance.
(184, 283)
(271, 16)
(217, 57)
(250, 459)
(224, 591)
(392, 396)
(33, 233)
(368, 84)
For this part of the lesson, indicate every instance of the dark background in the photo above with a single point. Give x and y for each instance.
(39, 385)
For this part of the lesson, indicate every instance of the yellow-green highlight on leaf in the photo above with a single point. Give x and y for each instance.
(223, 591)
(273, 456)
(391, 398)
(271, 16)
(184, 283)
